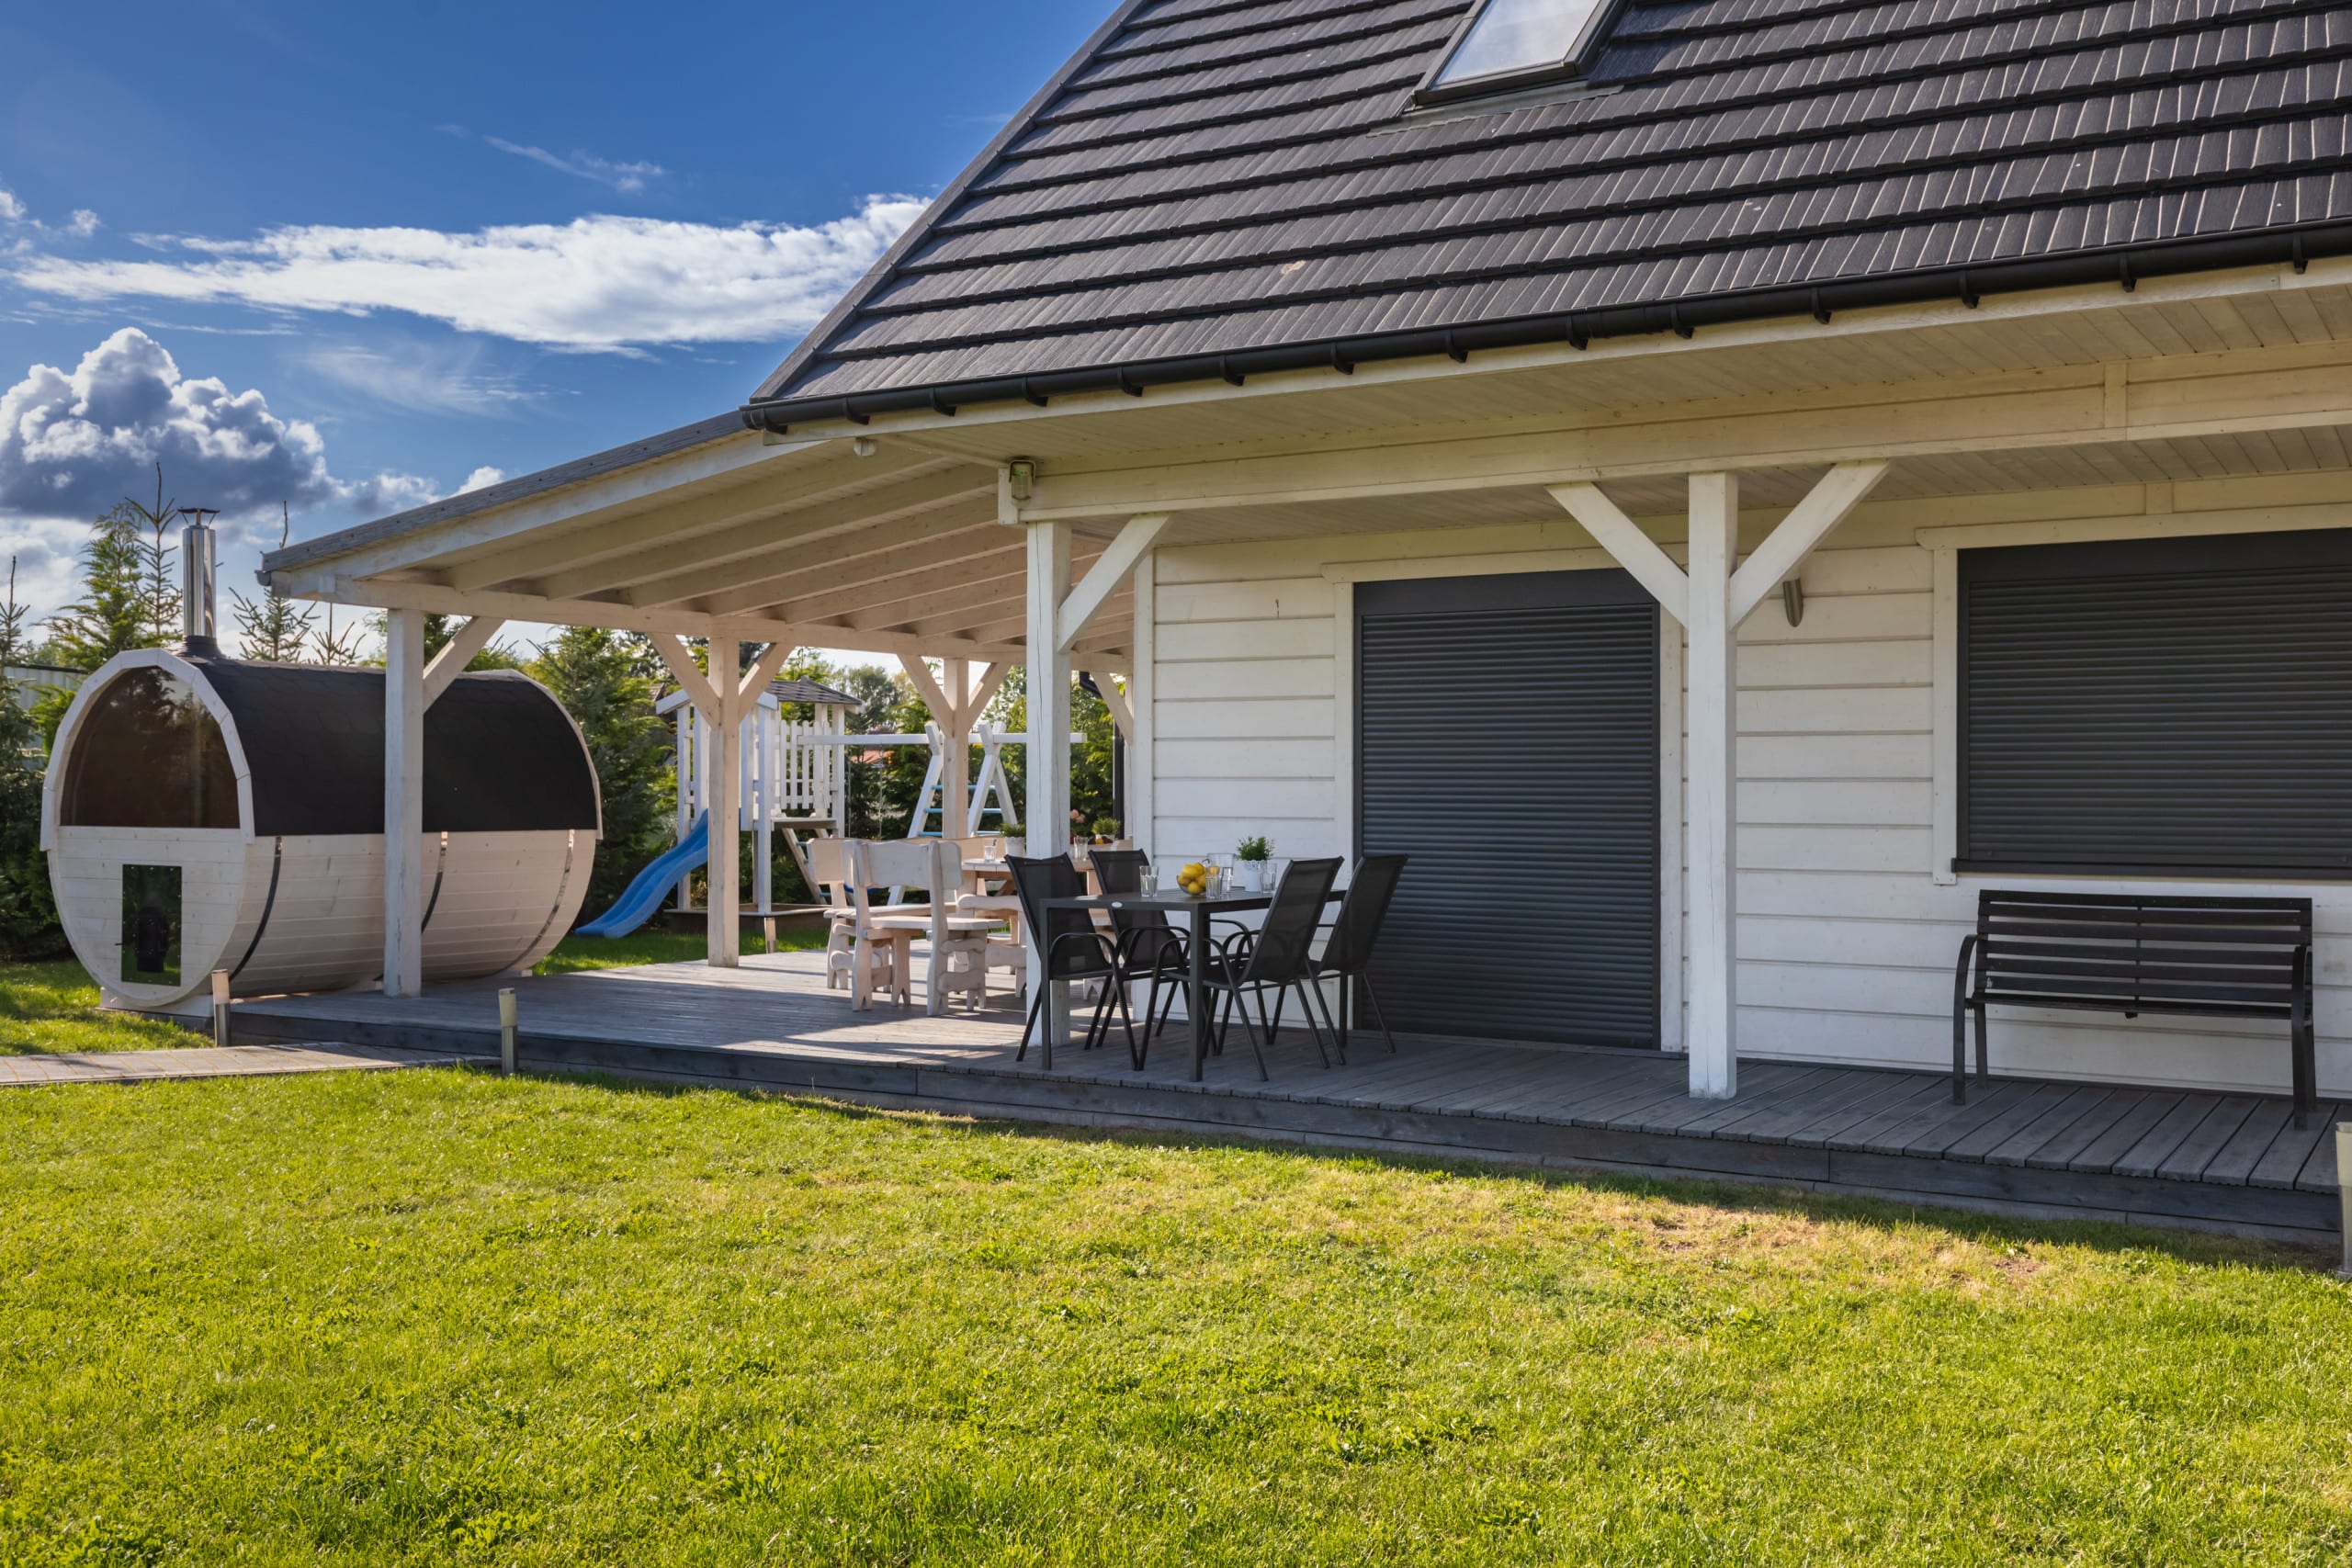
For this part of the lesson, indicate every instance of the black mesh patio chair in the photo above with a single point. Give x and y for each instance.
(1347, 956)
(1149, 947)
(1074, 951)
(1279, 954)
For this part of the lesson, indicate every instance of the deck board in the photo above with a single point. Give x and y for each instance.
(2283, 1161)
(1898, 1096)
(2021, 1146)
(2237, 1158)
(2148, 1155)
(1778, 1123)
(2166, 1154)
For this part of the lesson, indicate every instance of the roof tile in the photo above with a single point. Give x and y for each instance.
(1220, 177)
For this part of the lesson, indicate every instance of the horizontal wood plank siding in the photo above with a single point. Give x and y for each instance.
(1847, 943)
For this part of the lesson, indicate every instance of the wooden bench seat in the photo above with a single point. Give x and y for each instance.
(2210, 957)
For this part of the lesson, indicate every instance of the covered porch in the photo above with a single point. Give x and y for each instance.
(1797, 500)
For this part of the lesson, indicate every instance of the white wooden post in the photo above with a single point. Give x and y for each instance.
(1141, 763)
(1048, 757)
(956, 777)
(403, 803)
(766, 724)
(1709, 844)
(725, 904)
(1711, 598)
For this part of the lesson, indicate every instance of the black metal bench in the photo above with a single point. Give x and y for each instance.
(2129, 953)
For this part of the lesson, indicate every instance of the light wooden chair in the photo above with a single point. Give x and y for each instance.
(959, 940)
(829, 867)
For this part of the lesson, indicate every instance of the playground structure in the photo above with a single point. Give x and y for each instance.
(792, 782)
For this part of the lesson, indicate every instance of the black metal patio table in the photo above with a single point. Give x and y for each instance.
(1201, 911)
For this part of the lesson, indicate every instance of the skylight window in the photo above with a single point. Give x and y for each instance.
(1513, 43)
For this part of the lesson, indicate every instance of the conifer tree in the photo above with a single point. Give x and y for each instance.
(29, 926)
(600, 677)
(275, 629)
(112, 615)
(342, 647)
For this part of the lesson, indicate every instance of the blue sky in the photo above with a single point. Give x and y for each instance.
(349, 258)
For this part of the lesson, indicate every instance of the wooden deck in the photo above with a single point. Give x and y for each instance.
(2163, 1155)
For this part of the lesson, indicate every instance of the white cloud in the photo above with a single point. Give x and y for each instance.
(73, 444)
(427, 378)
(598, 283)
(627, 178)
(15, 214)
(482, 479)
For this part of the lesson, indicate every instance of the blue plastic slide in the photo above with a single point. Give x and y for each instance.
(637, 904)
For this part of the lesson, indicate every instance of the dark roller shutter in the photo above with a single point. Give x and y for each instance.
(2178, 707)
(1508, 742)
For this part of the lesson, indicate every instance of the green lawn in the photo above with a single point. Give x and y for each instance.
(53, 1006)
(442, 1317)
(652, 946)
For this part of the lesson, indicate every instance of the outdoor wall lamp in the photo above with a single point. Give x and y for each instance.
(1021, 478)
(863, 447)
(1792, 601)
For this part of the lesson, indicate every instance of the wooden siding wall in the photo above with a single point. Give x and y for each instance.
(505, 900)
(1847, 940)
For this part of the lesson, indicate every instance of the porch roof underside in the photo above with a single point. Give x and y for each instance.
(904, 550)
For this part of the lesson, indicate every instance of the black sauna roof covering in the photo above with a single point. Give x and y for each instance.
(1235, 187)
(500, 754)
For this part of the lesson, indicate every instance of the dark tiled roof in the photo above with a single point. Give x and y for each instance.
(1234, 177)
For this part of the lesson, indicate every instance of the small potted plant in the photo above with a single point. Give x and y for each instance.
(1250, 860)
(1107, 829)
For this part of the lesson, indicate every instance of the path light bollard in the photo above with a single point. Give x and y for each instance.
(220, 1007)
(506, 1031)
(2344, 1190)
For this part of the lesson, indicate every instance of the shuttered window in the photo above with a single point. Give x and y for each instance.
(2178, 707)
(1507, 742)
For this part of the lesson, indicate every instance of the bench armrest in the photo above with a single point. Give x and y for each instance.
(1959, 1000)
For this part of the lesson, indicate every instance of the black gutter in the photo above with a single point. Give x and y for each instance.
(2121, 264)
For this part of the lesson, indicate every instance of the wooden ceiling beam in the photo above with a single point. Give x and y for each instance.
(847, 515)
(840, 556)
(581, 541)
(790, 574)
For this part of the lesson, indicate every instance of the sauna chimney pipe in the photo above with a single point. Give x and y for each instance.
(199, 608)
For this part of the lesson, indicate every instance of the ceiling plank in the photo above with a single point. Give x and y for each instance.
(580, 540)
(838, 559)
(848, 513)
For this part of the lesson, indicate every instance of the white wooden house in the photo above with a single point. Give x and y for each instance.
(1718, 485)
